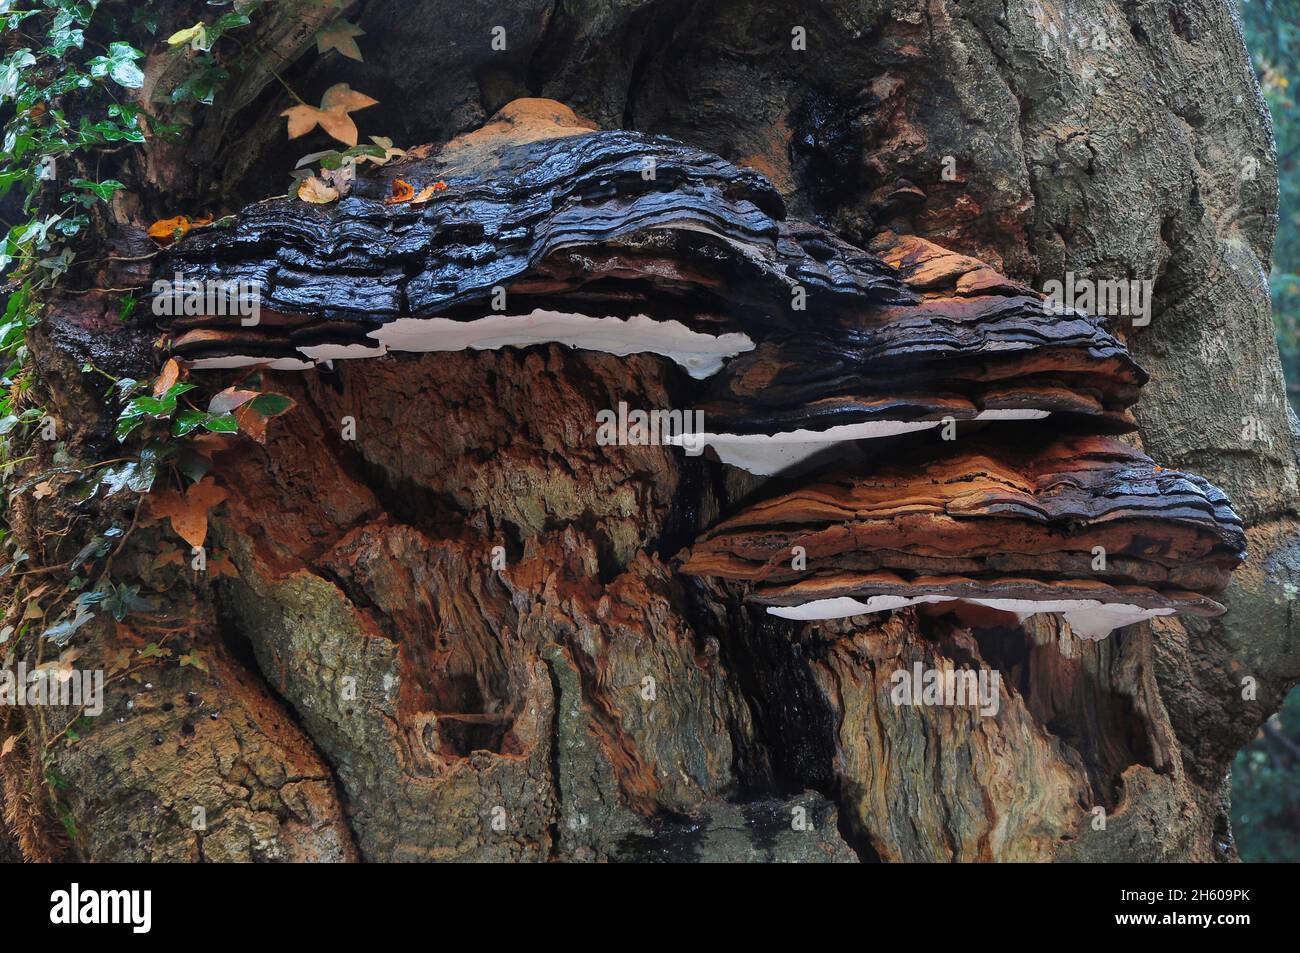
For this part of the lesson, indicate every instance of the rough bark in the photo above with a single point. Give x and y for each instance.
(589, 701)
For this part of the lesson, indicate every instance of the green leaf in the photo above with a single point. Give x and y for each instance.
(194, 659)
(187, 421)
(123, 70)
(104, 190)
(123, 600)
(11, 72)
(225, 423)
(272, 405)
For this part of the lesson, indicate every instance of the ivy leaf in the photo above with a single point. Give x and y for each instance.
(222, 423)
(140, 408)
(11, 73)
(119, 65)
(188, 421)
(196, 36)
(230, 399)
(386, 151)
(194, 659)
(104, 190)
(64, 35)
(123, 600)
(62, 631)
(339, 36)
(272, 405)
(201, 85)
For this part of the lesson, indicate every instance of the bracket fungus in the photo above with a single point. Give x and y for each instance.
(546, 232)
(551, 231)
(1085, 526)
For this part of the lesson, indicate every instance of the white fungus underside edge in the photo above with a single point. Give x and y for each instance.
(769, 454)
(1087, 618)
(701, 355)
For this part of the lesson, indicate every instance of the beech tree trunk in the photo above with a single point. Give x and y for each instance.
(378, 689)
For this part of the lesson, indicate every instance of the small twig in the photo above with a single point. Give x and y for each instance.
(86, 291)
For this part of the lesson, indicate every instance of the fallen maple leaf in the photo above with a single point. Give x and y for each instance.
(170, 229)
(188, 513)
(170, 557)
(124, 633)
(402, 192)
(339, 36)
(223, 565)
(332, 116)
(316, 192)
(426, 193)
(121, 662)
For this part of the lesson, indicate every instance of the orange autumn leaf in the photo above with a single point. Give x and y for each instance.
(188, 513)
(222, 565)
(316, 192)
(170, 229)
(402, 192)
(332, 116)
(427, 192)
(340, 35)
(251, 424)
(213, 443)
(169, 557)
(171, 372)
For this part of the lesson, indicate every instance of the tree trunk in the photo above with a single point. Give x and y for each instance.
(461, 630)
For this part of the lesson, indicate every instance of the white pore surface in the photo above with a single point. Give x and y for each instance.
(279, 364)
(769, 454)
(1088, 618)
(700, 354)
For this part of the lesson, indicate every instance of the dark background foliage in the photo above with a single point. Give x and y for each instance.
(1266, 776)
